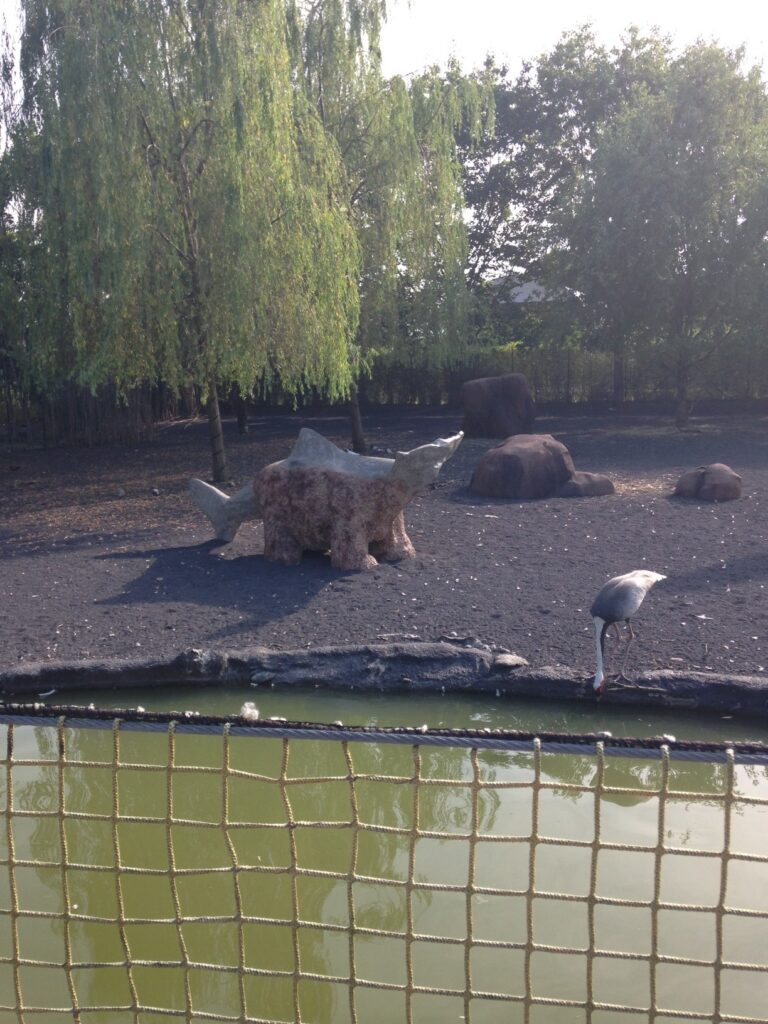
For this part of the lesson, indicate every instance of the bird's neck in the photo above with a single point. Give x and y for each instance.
(601, 627)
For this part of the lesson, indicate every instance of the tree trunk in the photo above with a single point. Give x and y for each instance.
(46, 414)
(682, 401)
(27, 411)
(189, 405)
(568, 387)
(619, 384)
(71, 412)
(9, 416)
(216, 434)
(241, 405)
(356, 421)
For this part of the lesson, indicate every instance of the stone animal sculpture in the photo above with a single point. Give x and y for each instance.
(323, 498)
(497, 406)
(617, 601)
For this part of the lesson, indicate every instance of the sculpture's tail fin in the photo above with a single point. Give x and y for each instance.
(225, 513)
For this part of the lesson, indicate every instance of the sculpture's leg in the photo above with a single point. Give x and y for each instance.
(349, 548)
(279, 545)
(396, 544)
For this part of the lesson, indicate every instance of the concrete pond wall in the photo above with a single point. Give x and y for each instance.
(400, 666)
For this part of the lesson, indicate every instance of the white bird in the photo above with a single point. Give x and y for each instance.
(249, 711)
(617, 601)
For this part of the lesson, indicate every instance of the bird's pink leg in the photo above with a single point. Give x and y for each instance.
(626, 654)
(620, 674)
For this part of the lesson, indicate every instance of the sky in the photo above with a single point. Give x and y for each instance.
(429, 31)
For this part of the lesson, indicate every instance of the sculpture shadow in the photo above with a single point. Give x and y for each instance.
(249, 585)
(14, 547)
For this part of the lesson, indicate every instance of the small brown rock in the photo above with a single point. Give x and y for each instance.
(587, 485)
(715, 482)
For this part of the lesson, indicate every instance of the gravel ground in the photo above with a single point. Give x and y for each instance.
(102, 555)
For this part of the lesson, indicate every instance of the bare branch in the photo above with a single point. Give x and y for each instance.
(179, 252)
(203, 121)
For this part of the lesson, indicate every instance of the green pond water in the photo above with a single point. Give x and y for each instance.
(691, 823)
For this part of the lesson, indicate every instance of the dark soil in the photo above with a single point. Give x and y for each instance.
(102, 555)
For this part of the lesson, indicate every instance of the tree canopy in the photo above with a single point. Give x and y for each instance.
(397, 141)
(667, 221)
(218, 196)
(221, 193)
(188, 204)
(629, 183)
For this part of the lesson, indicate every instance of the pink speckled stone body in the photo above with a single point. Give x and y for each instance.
(312, 508)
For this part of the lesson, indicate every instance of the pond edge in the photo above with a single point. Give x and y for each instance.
(396, 666)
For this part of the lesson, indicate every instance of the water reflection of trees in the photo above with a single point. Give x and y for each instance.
(641, 775)
(387, 794)
(149, 899)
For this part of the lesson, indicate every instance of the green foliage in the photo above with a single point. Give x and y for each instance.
(397, 142)
(186, 201)
(669, 219)
(13, 360)
(207, 193)
(548, 122)
(630, 183)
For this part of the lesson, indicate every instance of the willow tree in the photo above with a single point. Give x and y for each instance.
(397, 142)
(188, 199)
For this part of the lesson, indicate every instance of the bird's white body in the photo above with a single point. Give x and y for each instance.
(617, 601)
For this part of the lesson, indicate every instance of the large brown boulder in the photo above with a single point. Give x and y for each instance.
(716, 482)
(526, 466)
(497, 406)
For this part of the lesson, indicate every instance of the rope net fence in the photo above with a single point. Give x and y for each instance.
(164, 867)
